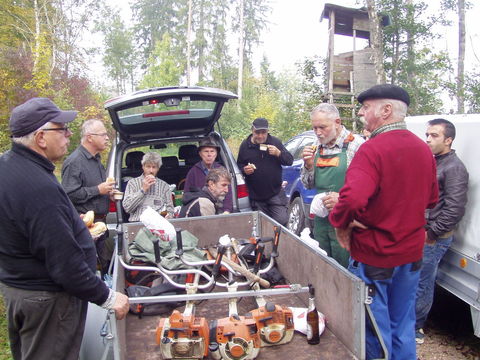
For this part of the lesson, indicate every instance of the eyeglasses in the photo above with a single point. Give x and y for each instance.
(65, 130)
(102, 134)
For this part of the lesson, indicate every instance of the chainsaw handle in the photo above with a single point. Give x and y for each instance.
(179, 251)
(218, 261)
(277, 231)
(258, 257)
(156, 249)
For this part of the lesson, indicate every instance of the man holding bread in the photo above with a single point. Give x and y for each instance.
(47, 256)
(261, 157)
(324, 167)
(85, 181)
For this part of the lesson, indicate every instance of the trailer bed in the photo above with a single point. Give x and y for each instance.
(340, 296)
(141, 333)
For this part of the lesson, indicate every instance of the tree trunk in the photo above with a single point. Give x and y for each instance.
(36, 53)
(461, 58)
(189, 43)
(376, 42)
(241, 46)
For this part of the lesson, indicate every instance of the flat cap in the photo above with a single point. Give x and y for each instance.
(385, 91)
(260, 124)
(34, 113)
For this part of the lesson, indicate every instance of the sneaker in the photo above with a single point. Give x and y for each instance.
(419, 336)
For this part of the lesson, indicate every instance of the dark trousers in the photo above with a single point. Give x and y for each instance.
(275, 207)
(44, 325)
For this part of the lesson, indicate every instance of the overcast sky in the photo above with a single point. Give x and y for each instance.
(296, 32)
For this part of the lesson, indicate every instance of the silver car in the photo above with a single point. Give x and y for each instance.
(170, 120)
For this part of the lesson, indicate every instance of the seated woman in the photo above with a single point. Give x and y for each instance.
(208, 150)
(148, 190)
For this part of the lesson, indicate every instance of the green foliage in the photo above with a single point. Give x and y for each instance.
(164, 68)
(120, 55)
(409, 60)
(472, 84)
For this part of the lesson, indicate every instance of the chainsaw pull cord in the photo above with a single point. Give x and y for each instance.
(218, 261)
(179, 251)
(258, 256)
(276, 239)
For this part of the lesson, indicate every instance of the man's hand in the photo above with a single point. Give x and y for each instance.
(249, 169)
(308, 156)
(148, 181)
(330, 200)
(428, 241)
(121, 306)
(344, 235)
(106, 187)
(273, 150)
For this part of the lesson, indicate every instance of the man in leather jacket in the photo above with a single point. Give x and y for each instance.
(442, 220)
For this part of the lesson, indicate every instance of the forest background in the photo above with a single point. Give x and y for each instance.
(47, 47)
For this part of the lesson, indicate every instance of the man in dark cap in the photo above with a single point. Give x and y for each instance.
(47, 256)
(195, 180)
(380, 217)
(261, 157)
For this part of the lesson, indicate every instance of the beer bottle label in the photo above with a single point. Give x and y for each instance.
(309, 332)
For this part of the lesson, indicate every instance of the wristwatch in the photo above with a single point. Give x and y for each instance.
(143, 192)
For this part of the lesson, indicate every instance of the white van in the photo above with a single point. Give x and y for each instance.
(459, 271)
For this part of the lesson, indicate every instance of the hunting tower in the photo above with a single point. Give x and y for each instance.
(351, 72)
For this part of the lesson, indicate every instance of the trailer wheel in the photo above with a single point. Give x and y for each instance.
(296, 216)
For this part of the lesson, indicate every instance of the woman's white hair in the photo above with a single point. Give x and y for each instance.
(153, 158)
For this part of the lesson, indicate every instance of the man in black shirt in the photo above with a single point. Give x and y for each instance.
(47, 256)
(84, 180)
(83, 174)
(261, 157)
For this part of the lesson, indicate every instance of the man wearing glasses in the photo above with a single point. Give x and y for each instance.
(47, 257)
(84, 177)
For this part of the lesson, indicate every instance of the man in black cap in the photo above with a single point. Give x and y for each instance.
(261, 157)
(47, 256)
(380, 217)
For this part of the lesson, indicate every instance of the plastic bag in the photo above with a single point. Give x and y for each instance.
(317, 207)
(300, 320)
(158, 225)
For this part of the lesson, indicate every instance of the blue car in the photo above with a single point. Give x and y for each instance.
(299, 198)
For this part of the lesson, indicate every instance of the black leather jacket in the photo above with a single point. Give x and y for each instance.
(452, 179)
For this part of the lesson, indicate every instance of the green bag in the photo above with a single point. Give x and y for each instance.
(142, 249)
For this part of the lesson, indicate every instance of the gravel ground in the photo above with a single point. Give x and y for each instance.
(449, 332)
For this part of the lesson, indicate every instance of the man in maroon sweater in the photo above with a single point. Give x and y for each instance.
(380, 217)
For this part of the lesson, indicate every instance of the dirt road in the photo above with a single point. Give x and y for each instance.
(449, 332)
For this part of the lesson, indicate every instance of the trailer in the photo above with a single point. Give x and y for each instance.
(340, 296)
(459, 270)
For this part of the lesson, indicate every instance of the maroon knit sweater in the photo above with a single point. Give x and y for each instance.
(388, 186)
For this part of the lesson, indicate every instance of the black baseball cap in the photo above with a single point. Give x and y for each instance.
(34, 113)
(260, 124)
(385, 91)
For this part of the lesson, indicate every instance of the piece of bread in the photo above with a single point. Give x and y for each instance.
(252, 165)
(97, 229)
(88, 218)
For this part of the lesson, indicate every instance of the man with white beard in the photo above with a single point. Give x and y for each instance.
(209, 199)
(324, 169)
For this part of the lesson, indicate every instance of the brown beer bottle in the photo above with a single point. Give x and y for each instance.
(313, 335)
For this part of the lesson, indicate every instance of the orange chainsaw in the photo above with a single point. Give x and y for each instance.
(183, 336)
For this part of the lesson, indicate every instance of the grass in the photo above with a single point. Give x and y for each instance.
(4, 344)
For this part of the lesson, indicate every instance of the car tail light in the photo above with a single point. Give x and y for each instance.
(242, 191)
(112, 207)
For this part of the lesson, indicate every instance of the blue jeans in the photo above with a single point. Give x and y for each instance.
(432, 254)
(393, 306)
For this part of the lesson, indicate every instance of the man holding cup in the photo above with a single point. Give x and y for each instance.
(324, 169)
(261, 157)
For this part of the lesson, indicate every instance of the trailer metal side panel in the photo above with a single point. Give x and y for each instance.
(339, 294)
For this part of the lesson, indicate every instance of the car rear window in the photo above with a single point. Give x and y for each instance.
(166, 110)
